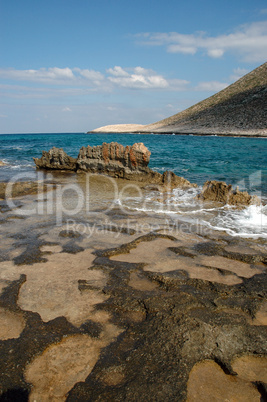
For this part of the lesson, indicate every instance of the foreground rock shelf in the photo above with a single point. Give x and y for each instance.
(154, 316)
(118, 312)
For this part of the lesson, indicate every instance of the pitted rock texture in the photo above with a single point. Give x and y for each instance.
(221, 192)
(57, 159)
(154, 330)
(114, 157)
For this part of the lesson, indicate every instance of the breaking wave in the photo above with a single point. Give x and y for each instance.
(248, 222)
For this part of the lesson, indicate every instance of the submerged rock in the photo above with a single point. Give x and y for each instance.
(57, 159)
(221, 192)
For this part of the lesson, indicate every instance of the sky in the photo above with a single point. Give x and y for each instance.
(75, 65)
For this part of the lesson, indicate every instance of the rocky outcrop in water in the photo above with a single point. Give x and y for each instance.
(115, 160)
(219, 191)
(56, 159)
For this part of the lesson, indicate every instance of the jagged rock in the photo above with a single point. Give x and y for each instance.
(170, 179)
(2, 163)
(221, 192)
(130, 162)
(114, 159)
(55, 158)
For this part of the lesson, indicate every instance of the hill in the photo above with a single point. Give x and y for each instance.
(239, 109)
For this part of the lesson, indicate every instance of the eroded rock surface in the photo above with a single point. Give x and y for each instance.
(12, 324)
(208, 382)
(219, 191)
(115, 160)
(136, 319)
(57, 159)
(64, 364)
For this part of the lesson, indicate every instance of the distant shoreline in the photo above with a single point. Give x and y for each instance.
(190, 134)
(204, 134)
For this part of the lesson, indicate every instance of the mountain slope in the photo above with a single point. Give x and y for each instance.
(239, 109)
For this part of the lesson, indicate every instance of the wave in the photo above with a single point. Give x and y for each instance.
(21, 166)
(248, 222)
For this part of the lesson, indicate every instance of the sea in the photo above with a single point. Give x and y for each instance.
(238, 161)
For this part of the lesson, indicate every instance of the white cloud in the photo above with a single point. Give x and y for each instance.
(41, 75)
(211, 86)
(215, 53)
(91, 75)
(84, 80)
(249, 42)
(117, 71)
(54, 75)
(182, 49)
(81, 83)
(137, 77)
(47, 92)
(66, 109)
(238, 73)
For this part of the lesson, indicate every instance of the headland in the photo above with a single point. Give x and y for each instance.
(238, 110)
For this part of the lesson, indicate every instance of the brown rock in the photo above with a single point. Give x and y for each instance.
(170, 179)
(55, 158)
(208, 382)
(113, 159)
(17, 189)
(2, 163)
(221, 192)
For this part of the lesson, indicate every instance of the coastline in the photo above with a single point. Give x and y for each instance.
(117, 283)
(125, 129)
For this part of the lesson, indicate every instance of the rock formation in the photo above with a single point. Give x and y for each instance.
(115, 160)
(56, 159)
(221, 192)
(131, 163)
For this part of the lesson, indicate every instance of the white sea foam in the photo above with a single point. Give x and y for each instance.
(254, 216)
(250, 222)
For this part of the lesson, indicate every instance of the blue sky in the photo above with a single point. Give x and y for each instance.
(74, 65)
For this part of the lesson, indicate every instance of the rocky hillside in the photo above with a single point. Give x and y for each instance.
(239, 109)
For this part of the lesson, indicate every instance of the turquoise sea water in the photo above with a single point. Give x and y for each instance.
(237, 161)
(197, 158)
